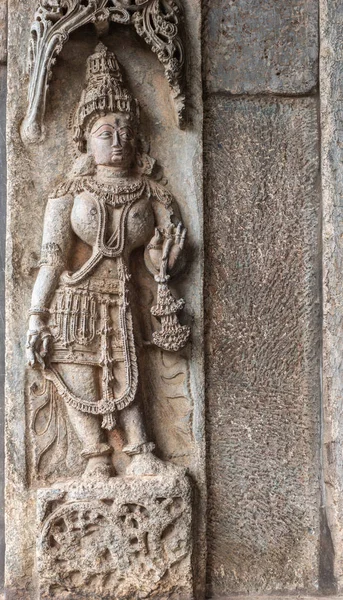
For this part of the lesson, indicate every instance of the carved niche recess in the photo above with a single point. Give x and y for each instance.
(100, 533)
(155, 21)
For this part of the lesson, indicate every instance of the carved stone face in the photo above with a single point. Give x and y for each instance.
(113, 140)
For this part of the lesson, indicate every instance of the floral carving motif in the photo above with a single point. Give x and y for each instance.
(123, 544)
(46, 429)
(158, 25)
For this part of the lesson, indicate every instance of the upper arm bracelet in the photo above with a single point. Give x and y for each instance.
(51, 255)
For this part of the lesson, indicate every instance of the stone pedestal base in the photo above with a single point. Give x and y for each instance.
(125, 538)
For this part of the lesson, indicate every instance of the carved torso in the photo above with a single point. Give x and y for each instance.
(139, 225)
(91, 318)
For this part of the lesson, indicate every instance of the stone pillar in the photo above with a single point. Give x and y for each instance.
(105, 461)
(262, 261)
(3, 86)
(331, 114)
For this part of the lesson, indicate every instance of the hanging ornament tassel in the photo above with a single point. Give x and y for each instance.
(108, 422)
(172, 336)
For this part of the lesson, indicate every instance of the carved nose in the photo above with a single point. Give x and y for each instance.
(116, 140)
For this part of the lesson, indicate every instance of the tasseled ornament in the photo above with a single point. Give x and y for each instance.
(109, 422)
(172, 336)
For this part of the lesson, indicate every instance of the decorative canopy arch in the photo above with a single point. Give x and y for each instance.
(155, 21)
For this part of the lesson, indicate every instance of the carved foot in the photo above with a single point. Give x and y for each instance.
(99, 469)
(148, 464)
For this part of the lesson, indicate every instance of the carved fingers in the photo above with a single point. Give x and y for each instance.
(37, 346)
(157, 240)
(155, 248)
(166, 246)
(176, 235)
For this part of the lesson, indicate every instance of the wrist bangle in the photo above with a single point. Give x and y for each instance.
(39, 310)
(152, 246)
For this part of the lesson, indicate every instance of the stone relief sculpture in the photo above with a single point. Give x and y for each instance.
(105, 416)
(155, 21)
(101, 534)
(81, 330)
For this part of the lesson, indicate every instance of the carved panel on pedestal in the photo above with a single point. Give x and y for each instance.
(131, 540)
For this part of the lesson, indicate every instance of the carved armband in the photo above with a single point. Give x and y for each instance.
(162, 195)
(39, 310)
(51, 255)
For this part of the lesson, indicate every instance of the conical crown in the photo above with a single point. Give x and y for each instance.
(104, 92)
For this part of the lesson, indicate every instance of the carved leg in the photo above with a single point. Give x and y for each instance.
(132, 422)
(82, 380)
(143, 462)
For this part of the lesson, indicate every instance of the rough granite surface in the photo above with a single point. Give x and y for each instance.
(126, 538)
(331, 82)
(256, 46)
(262, 305)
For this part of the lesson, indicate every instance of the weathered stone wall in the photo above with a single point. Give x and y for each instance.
(262, 297)
(261, 46)
(3, 90)
(3, 74)
(331, 85)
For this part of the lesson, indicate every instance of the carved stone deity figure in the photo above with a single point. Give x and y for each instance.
(81, 328)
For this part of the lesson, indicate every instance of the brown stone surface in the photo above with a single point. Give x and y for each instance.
(262, 344)
(331, 82)
(3, 78)
(253, 46)
(3, 31)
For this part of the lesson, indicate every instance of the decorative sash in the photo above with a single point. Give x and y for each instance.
(109, 404)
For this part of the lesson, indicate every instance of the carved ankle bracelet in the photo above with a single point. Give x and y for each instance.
(144, 448)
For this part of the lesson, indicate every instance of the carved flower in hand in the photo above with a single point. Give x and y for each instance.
(166, 247)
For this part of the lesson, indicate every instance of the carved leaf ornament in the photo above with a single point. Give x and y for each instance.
(155, 21)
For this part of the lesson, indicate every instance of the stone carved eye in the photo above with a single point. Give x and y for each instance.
(105, 135)
(93, 211)
(126, 133)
